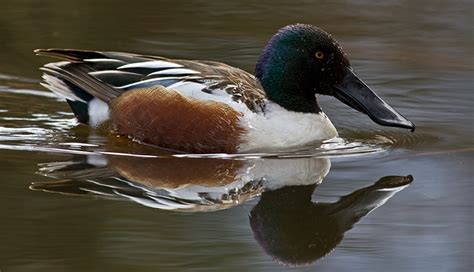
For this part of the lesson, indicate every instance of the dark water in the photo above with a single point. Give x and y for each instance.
(390, 200)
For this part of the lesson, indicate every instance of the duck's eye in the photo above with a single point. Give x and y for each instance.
(319, 55)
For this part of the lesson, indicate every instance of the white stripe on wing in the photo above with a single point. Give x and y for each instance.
(175, 71)
(154, 64)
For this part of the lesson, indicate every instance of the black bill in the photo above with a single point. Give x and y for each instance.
(355, 93)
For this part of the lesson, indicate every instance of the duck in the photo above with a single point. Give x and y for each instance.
(196, 106)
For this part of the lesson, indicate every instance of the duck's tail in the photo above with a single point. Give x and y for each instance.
(72, 79)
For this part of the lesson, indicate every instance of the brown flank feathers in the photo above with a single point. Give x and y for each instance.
(168, 119)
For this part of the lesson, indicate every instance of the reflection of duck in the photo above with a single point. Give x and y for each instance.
(286, 223)
(187, 184)
(296, 231)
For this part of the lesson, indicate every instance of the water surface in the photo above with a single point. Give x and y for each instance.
(76, 199)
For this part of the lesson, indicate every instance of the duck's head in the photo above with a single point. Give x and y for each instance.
(301, 61)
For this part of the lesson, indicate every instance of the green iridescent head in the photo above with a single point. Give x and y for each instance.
(301, 61)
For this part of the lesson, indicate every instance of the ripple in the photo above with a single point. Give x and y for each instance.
(409, 140)
(13, 79)
(5, 89)
(392, 138)
(335, 148)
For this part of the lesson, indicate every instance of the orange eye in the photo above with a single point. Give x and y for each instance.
(319, 55)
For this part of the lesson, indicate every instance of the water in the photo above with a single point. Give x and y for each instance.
(76, 199)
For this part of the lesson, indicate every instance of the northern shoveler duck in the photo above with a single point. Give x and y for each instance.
(211, 107)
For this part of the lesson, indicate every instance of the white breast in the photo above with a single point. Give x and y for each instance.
(280, 129)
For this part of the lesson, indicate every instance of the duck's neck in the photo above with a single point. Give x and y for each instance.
(285, 86)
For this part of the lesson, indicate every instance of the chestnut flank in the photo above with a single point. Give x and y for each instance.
(168, 119)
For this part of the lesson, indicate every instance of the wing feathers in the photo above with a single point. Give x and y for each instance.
(106, 75)
(78, 75)
(116, 78)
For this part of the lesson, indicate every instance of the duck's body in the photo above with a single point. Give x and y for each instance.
(183, 105)
(203, 106)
